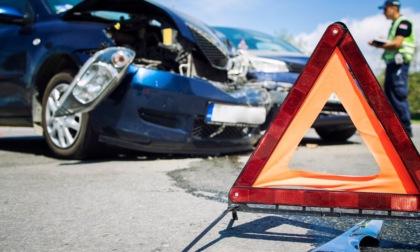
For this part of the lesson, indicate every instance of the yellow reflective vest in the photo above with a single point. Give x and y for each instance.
(408, 47)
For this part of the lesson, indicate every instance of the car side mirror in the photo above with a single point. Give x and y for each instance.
(11, 15)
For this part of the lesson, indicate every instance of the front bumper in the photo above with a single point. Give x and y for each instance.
(333, 119)
(161, 112)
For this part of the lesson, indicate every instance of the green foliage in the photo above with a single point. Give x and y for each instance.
(381, 78)
(414, 92)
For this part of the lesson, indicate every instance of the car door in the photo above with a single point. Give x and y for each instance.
(15, 38)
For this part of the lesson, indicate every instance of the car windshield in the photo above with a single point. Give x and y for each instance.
(253, 40)
(60, 6)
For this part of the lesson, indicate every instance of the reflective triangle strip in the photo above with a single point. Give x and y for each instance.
(396, 187)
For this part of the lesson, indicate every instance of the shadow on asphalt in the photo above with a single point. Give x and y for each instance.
(25, 144)
(36, 145)
(264, 229)
(320, 142)
(320, 231)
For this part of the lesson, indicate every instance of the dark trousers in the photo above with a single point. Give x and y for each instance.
(396, 89)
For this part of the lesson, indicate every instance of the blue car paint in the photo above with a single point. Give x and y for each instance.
(57, 38)
(175, 94)
(179, 18)
(11, 11)
(276, 76)
(48, 38)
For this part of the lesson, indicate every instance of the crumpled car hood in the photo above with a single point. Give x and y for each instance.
(181, 20)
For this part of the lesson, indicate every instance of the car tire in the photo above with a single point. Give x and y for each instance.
(335, 134)
(68, 137)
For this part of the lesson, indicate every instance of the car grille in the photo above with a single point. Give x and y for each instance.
(215, 55)
(203, 130)
(200, 128)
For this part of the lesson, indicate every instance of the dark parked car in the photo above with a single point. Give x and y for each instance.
(126, 73)
(277, 64)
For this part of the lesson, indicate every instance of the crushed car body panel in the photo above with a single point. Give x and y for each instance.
(160, 102)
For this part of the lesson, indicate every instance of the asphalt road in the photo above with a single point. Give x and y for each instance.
(142, 202)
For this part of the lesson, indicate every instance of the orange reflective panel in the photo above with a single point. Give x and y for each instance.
(336, 78)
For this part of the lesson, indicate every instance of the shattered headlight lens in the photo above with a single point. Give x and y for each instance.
(93, 82)
(97, 78)
(267, 65)
(100, 73)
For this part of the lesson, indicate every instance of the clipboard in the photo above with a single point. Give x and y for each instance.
(380, 41)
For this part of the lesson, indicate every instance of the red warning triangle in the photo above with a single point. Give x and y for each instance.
(336, 66)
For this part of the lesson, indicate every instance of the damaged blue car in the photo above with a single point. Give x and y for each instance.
(125, 73)
(276, 64)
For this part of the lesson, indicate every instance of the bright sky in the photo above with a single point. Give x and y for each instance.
(306, 20)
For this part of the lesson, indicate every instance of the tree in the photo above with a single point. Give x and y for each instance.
(413, 90)
(414, 93)
(285, 35)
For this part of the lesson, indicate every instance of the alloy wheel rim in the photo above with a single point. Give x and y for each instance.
(64, 130)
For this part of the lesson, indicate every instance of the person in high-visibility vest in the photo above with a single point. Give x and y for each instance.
(399, 52)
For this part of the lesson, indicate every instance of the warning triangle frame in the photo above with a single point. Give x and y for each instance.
(244, 197)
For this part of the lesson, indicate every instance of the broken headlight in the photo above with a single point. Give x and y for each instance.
(267, 65)
(95, 80)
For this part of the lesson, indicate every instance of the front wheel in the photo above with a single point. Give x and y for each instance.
(335, 133)
(69, 137)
